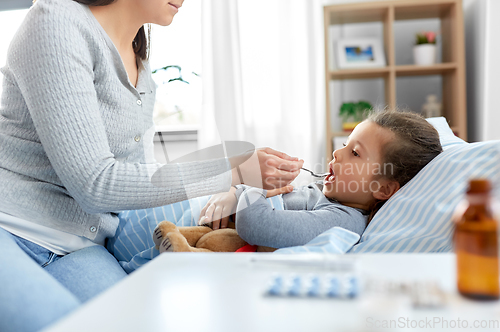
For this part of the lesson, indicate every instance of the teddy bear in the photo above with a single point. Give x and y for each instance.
(168, 237)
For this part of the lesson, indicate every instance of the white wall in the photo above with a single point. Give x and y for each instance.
(475, 33)
(483, 68)
(491, 108)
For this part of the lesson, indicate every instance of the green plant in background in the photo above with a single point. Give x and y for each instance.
(354, 112)
(177, 78)
(427, 37)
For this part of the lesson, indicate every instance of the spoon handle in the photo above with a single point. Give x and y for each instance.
(314, 174)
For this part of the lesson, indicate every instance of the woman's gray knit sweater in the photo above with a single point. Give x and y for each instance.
(76, 137)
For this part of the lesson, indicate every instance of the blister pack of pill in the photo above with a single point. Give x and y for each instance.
(330, 286)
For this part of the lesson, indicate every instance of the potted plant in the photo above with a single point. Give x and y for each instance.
(424, 51)
(167, 104)
(353, 113)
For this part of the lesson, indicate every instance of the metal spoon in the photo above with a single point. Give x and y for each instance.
(322, 175)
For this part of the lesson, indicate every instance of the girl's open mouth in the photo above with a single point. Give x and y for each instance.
(330, 178)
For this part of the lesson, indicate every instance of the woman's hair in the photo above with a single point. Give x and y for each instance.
(141, 41)
(416, 143)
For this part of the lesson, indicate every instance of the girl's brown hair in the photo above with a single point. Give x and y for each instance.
(416, 143)
(141, 41)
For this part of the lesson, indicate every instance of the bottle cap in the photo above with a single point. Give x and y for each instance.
(478, 186)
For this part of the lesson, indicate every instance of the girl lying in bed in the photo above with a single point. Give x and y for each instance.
(381, 155)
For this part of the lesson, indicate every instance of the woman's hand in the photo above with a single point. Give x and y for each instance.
(218, 209)
(266, 168)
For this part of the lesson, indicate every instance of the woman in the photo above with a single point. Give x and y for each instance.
(76, 146)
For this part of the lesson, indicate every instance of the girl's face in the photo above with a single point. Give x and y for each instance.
(357, 169)
(159, 12)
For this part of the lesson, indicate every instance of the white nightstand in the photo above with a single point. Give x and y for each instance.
(224, 292)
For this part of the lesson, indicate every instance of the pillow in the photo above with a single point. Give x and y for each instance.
(133, 244)
(417, 218)
(446, 135)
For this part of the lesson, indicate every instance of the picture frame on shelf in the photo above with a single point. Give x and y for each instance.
(359, 53)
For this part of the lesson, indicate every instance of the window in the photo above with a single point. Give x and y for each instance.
(178, 47)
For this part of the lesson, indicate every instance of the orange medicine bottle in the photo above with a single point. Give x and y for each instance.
(476, 244)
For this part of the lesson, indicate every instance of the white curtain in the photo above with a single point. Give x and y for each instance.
(263, 76)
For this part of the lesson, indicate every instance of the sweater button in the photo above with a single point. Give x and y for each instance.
(93, 229)
(139, 102)
(137, 138)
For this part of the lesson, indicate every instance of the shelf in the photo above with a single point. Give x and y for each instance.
(405, 70)
(422, 9)
(408, 10)
(450, 73)
(414, 70)
(359, 73)
(353, 13)
(340, 133)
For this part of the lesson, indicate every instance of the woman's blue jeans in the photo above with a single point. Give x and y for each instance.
(37, 287)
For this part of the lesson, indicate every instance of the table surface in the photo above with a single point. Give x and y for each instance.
(226, 292)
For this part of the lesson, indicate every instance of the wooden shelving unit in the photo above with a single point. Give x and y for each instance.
(452, 68)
